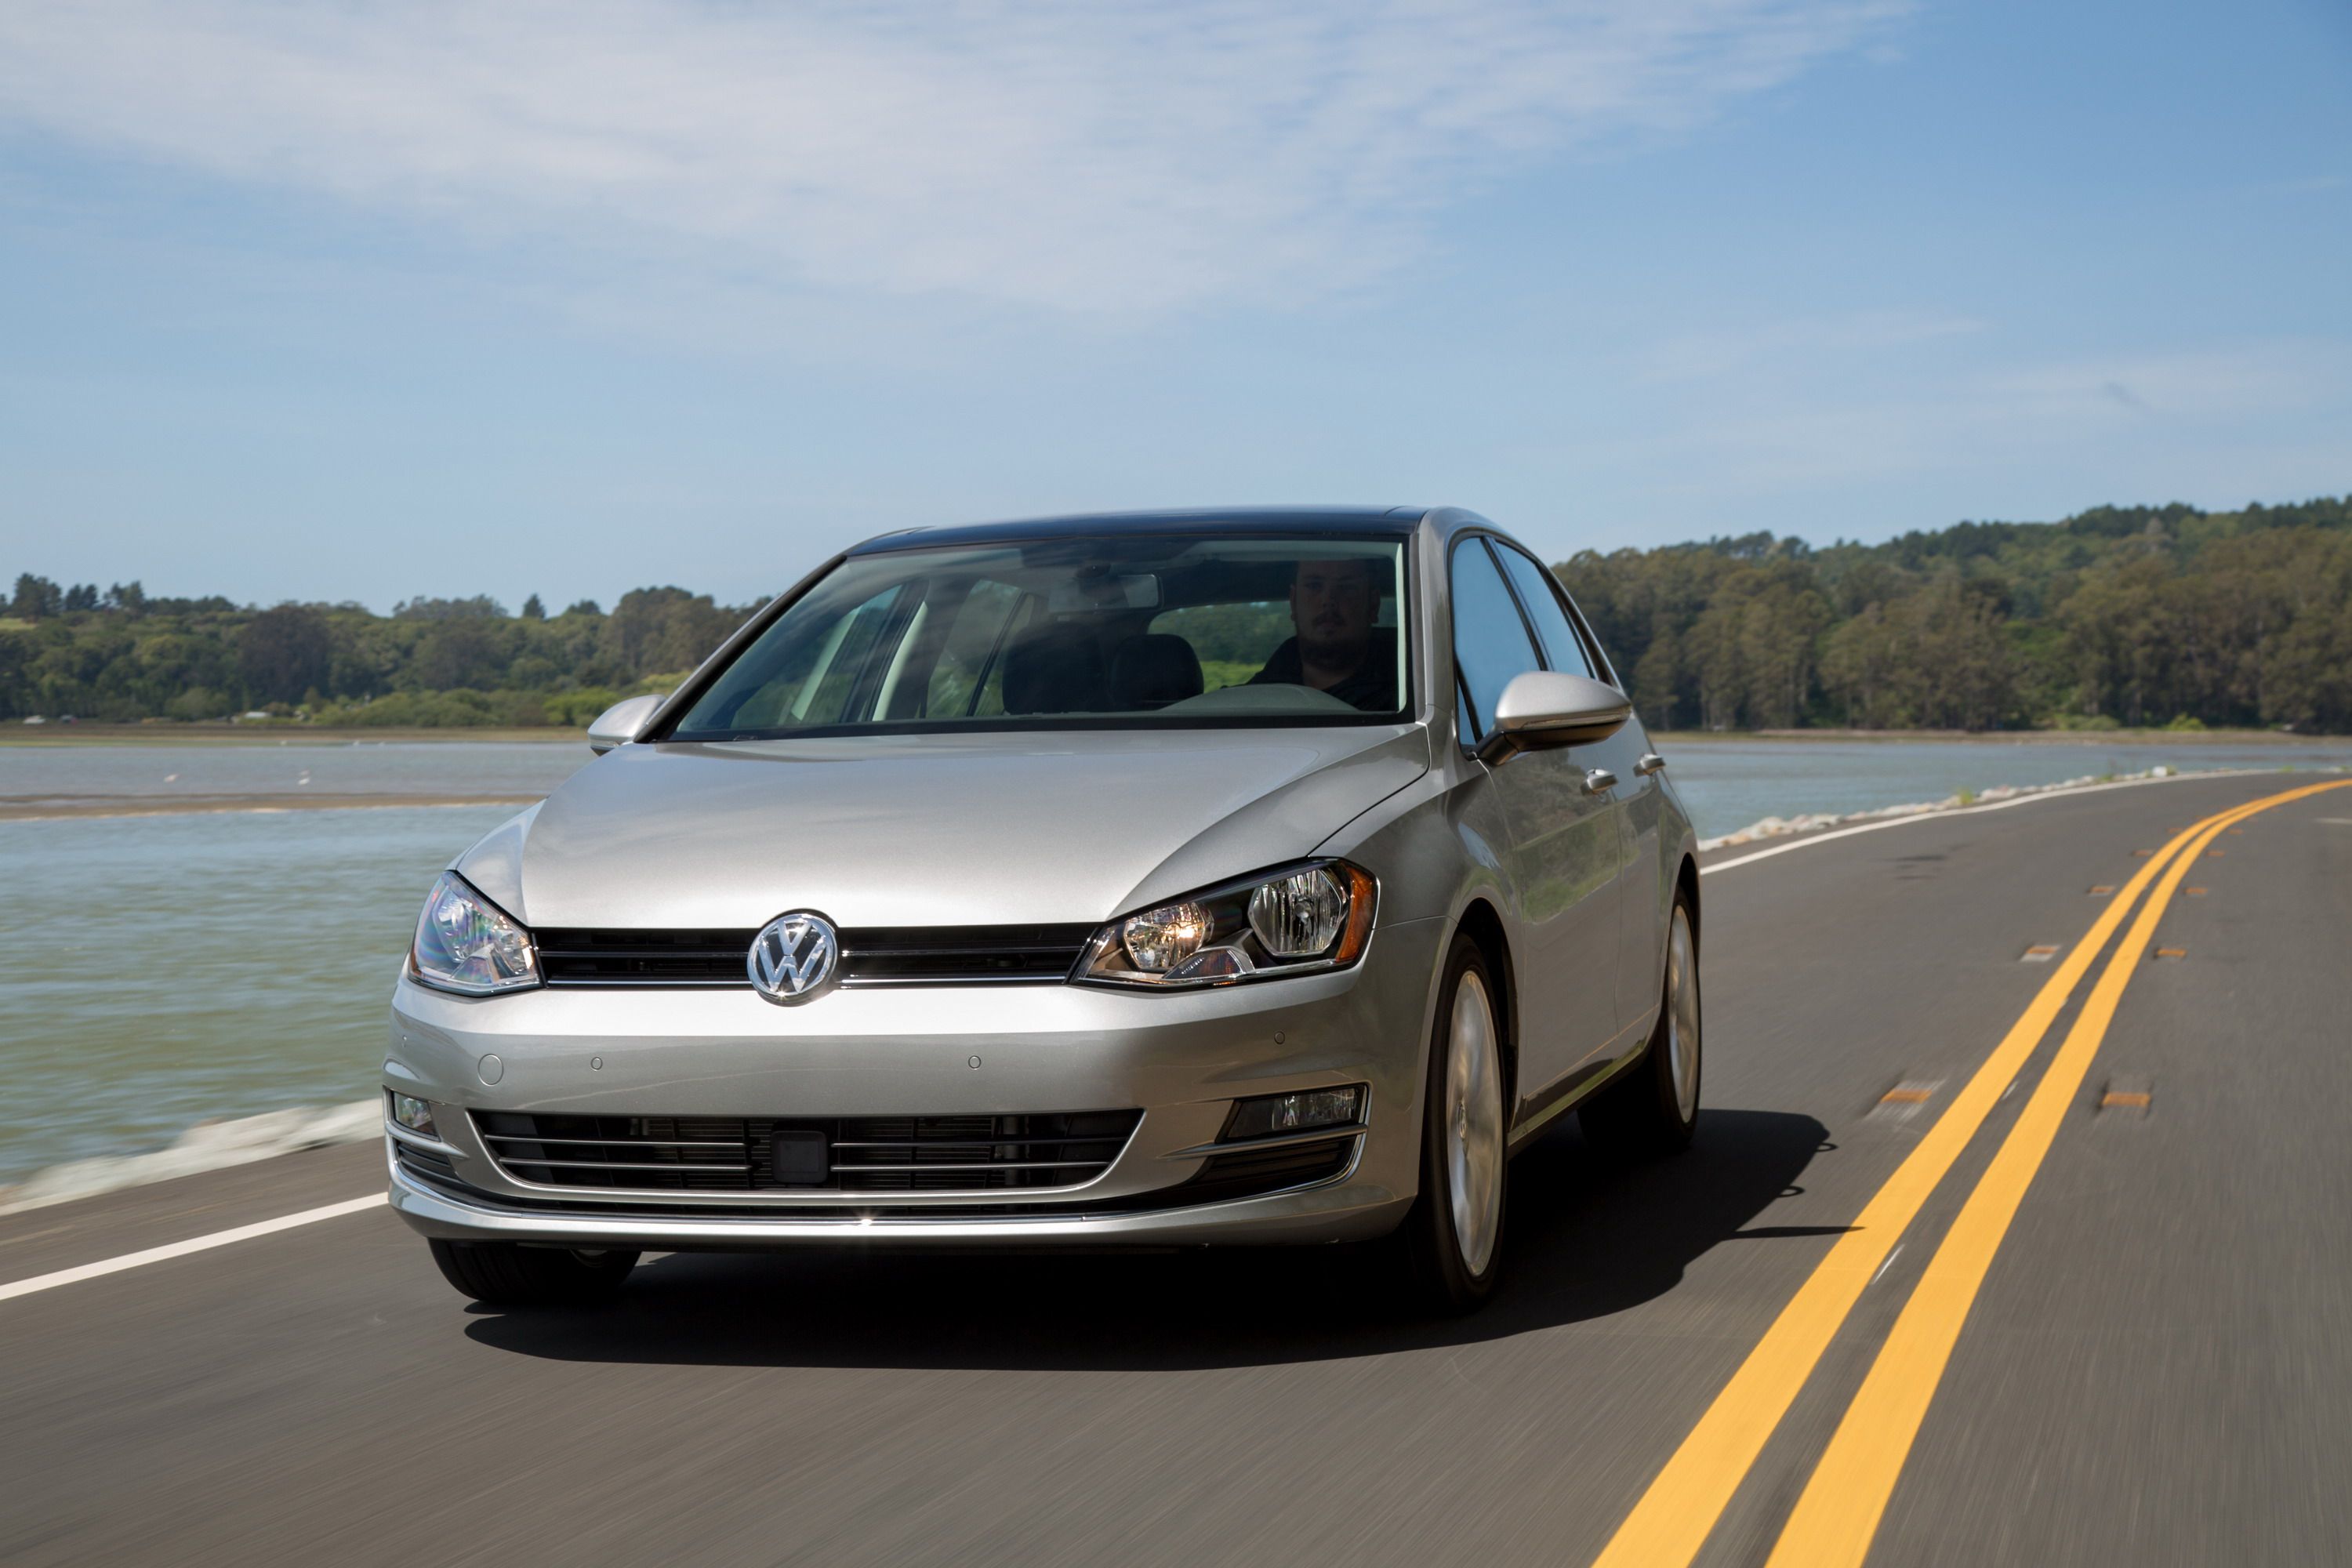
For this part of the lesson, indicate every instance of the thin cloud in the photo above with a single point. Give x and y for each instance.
(1766, 439)
(2247, 381)
(1706, 356)
(2308, 185)
(1087, 157)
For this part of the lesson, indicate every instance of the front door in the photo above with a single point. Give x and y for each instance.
(1640, 950)
(1565, 857)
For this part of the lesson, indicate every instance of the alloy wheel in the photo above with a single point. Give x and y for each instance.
(1473, 1124)
(1682, 1016)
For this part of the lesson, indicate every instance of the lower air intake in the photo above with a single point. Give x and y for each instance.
(848, 1153)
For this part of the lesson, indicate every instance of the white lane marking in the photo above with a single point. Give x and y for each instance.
(1809, 840)
(1888, 1264)
(182, 1248)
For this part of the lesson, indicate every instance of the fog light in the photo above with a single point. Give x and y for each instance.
(1300, 1113)
(413, 1114)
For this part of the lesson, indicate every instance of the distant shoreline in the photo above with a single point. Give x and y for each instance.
(84, 733)
(50, 809)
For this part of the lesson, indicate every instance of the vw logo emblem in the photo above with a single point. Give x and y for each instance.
(793, 957)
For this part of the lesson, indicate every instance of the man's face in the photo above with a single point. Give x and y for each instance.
(1331, 606)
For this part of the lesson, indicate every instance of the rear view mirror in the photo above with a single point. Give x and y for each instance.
(1547, 708)
(621, 723)
(1127, 591)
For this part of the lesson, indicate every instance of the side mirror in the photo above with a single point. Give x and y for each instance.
(621, 723)
(1547, 708)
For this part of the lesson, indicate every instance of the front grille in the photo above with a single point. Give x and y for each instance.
(844, 1153)
(645, 957)
(912, 955)
(1222, 1178)
(871, 955)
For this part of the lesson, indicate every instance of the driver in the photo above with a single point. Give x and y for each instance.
(1334, 646)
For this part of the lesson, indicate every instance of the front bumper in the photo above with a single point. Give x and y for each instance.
(1179, 1059)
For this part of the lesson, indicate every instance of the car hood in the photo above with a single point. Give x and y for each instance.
(998, 828)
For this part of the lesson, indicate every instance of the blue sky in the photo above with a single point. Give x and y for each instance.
(339, 301)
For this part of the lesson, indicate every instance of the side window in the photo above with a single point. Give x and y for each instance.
(1540, 594)
(825, 698)
(1490, 641)
(813, 681)
(973, 639)
(1025, 616)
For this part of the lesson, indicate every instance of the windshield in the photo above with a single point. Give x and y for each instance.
(1171, 632)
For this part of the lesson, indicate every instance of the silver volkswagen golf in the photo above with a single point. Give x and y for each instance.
(1262, 876)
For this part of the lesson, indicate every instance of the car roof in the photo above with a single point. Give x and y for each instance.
(1207, 521)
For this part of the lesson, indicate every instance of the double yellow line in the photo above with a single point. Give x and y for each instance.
(1839, 1512)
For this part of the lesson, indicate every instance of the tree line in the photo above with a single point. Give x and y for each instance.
(2119, 616)
(125, 655)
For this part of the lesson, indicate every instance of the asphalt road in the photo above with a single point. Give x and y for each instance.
(2156, 1367)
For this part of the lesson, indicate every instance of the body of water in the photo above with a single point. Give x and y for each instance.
(41, 773)
(156, 972)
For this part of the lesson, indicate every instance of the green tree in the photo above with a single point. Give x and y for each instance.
(36, 599)
(656, 629)
(1778, 631)
(284, 654)
(1962, 660)
(1868, 670)
(481, 605)
(1658, 679)
(467, 651)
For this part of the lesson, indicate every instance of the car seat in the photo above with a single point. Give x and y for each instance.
(1054, 670)
(1153, 669)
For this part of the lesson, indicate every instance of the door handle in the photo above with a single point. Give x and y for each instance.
(1599, 779)
(1651, 762)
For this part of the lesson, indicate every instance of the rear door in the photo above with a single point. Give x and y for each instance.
(1634, 798)
(1565, 856)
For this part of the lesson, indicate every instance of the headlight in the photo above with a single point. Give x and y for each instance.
(466, 943)
(1292, 921)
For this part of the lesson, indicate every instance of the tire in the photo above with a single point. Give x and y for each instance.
(507, 1274)
(1652, 1108)
(1453, 1238)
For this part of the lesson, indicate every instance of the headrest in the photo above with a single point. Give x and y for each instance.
(1056, 669)
(1153, 669)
